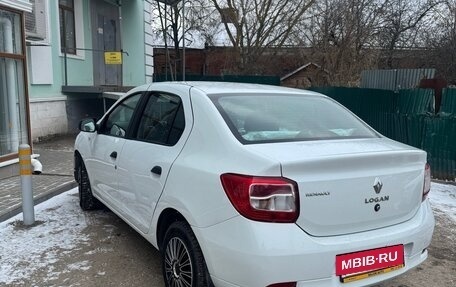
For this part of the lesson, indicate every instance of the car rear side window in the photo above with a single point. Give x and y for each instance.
(282, 118)
(162, 121)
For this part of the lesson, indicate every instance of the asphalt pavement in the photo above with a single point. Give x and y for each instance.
(70, 247)
(56, 156)
(107, 252)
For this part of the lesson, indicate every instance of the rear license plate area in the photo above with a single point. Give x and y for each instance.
(364, 264)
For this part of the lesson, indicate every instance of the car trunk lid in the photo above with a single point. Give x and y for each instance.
(349, 186)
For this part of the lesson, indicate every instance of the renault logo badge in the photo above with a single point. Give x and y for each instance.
(378, 185)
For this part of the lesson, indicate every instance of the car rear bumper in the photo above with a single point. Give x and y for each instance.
(241, 252)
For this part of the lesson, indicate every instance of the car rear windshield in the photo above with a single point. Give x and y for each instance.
(283, 118)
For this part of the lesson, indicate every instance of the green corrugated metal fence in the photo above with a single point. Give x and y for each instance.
(415, 101)
(407, 116)
(267, 80)
(439, 141)
(448, 105)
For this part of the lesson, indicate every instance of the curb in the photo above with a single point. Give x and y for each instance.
(16, 209)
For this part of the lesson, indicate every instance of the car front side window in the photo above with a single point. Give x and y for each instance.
(119, 119)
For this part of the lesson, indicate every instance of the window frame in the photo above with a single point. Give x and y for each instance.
(80, 22)
(23, 58)
(62, 18)
(101, 130)
(140, 112)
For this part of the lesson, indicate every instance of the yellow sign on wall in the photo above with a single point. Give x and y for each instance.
(113, 58)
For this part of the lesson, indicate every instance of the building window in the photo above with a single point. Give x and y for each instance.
(67, 26)
(13, 112)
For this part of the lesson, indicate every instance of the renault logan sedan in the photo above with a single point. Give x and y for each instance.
(255, 186)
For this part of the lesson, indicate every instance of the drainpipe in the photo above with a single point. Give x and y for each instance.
(119, 4)
(5, 126)
(13, 144)
(183, 40)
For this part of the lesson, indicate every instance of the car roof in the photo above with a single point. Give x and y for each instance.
(216, 88)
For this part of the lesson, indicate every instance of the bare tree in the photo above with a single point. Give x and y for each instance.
(172, 26)
(342, 35)
(401, 25)
(254, 26)
(169, 18)
(441, 40)
(348, 36)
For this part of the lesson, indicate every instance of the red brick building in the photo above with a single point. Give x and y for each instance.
(218, 61)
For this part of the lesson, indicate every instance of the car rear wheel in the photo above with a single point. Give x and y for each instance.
(86, 199)
(182, 260)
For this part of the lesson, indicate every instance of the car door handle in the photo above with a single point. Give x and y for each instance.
(113, 154)
(157, 170)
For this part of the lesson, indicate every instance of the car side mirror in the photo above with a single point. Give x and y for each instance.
(88, 125)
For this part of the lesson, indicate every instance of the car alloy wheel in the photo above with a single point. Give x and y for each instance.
(183, 263)
(178, 265)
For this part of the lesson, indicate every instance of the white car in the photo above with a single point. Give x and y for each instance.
(254, 186)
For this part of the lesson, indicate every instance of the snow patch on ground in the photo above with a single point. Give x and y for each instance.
(443, 199)
(60, 223)
(83, 265)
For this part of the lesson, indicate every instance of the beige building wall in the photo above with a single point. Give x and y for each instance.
(48, 117)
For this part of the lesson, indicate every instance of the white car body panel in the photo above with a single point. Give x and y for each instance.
(258, 254)
(96, 150)
(191, 194)
(243, 252)
(139, 188)
(102, 167)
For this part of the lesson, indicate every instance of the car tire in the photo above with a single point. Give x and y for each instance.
(86, 199)
(183, 262)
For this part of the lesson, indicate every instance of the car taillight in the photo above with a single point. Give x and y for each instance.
(268, 199)
(427, 180)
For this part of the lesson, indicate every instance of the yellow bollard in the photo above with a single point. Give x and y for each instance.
(25, 170)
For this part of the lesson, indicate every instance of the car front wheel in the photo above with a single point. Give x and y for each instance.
(86, 199)
(182, 260)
